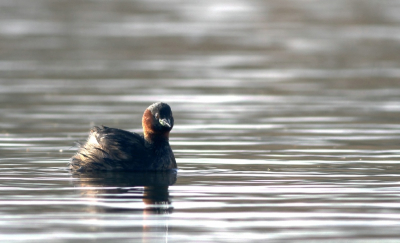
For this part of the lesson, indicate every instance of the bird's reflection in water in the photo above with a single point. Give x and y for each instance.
(130, 192)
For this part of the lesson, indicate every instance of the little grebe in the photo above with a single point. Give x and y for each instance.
(118, 150)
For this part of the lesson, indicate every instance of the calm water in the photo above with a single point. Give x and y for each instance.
(286, 112)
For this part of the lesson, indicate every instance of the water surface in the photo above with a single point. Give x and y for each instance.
(286, 119)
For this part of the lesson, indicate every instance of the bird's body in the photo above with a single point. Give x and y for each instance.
(112, 149)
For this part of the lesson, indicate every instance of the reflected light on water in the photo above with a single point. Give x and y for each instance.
(285, 111)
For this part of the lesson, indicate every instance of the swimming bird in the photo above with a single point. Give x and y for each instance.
(112, 149)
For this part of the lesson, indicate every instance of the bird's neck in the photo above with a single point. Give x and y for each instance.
(156, 138)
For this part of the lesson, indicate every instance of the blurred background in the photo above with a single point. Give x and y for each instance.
(286, 118)
(232, 39)
(61, 52)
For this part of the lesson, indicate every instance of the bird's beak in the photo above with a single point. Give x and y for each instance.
(165, 122)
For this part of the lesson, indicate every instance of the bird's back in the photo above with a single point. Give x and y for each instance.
(111, 149)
